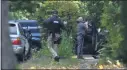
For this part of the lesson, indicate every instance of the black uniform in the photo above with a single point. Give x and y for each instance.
(54, 26)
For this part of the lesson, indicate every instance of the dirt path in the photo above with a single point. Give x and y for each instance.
(88, 63)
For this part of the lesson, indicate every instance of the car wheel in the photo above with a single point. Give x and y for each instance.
(21, 57)
(39, 47)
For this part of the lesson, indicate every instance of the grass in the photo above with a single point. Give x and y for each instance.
(65, 48)
(47, 62)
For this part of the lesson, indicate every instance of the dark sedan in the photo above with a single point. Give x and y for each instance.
(33, 27)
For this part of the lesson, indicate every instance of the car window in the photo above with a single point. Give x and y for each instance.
(34, 31)
(12, 29)
(23, 24)
(30, 24)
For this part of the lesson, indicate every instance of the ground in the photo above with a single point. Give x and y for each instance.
(43, 60)
(46, 62)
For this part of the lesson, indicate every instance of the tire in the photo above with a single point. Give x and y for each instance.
(21, 56)
(39, 47)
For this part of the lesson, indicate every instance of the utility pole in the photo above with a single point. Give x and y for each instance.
(7, 55)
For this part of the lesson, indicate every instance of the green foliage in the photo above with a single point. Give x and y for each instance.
(111, 20)
(29, 6)
(123, 48)
(94, 10)
(65, 48)
(44, 51)
(17, 15)
(103, 13)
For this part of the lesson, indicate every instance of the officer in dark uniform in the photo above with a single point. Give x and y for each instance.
(54, 26)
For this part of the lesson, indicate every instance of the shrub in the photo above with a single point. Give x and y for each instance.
(65, 48)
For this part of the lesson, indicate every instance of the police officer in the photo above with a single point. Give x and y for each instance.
(80, 36)
(54, 26)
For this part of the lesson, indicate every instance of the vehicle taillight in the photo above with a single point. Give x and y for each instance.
(16, 42)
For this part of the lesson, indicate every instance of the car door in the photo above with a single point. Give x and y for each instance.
(22, 36)
(25, 39)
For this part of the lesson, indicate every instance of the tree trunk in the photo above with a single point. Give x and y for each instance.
(8, 57)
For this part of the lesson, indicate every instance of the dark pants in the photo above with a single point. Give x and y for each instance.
(80, 42)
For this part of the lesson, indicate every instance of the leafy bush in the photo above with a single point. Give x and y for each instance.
(65, 48)
(111, 20)
(43, 51)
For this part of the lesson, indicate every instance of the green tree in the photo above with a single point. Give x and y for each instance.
(111, 20)
(93, 10)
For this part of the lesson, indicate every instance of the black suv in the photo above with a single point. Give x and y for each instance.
(34, 29)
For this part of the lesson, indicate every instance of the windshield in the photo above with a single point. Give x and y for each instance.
(12, 29)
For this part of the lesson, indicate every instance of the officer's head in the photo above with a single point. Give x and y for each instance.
(80, 19)
(55, 12)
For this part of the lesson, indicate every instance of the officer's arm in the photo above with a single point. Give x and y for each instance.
(47, 21)
(62, 25)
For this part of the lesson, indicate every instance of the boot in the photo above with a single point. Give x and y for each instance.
(57, 58)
